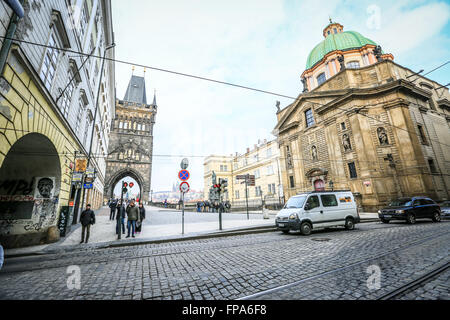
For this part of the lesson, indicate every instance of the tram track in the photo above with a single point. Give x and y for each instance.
(394, 293)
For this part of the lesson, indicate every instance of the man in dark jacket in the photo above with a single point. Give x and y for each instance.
(141, 218)
(87, 218)
(120, 219)
(133, 216)
(112, 206)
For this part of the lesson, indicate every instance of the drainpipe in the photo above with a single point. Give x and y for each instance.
(18, 14)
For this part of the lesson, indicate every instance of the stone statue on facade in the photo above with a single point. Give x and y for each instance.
(341, 61)
(377, 53)
(305, 87)
(214, 178)
(278, 106)
(346, 142)
(382, 136)
(314, 152)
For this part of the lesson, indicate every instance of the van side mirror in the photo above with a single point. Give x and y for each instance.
(307, 207)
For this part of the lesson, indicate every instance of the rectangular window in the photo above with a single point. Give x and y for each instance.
(269, 170)
(313, 202)
(309, 118)
(236, 194)
(257, 174)
(329, 200)
(291, 181)
(321, 78)
(86, 129)
(353, 65)
(432, 166)
(343, 125)
(80, 113)
(422, 134)
(269, 152)
(67, 96)
(256, 157)
(48, 69)
(352, 170)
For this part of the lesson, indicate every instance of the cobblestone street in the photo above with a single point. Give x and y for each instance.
(330, 264)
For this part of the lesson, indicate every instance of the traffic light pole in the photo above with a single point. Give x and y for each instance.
(119, 220)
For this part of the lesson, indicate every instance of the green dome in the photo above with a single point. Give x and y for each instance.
(340, 41)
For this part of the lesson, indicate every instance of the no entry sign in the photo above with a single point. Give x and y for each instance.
(183, 175)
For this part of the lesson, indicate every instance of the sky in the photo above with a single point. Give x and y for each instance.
(260, 44)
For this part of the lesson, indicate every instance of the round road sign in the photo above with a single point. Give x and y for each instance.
(184, 163)
(184, 187)
(184, 175)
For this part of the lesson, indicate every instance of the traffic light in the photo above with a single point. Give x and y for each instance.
(131, 184)
(125, 184)
(223, 185)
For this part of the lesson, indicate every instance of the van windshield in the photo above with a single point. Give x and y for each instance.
(295, 202)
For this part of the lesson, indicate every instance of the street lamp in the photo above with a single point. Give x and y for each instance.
(331, 183)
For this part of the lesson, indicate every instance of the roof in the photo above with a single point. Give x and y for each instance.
(340, 41)
(136, 90)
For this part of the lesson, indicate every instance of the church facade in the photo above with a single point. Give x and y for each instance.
(131, 140)
(365, 124)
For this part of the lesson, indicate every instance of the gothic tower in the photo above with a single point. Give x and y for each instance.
(130, 147)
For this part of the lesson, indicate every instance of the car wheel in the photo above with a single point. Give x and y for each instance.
(384, 221)
(436, 217)
(349, 224)
(285, 231)
(411, 219)
(305, 228)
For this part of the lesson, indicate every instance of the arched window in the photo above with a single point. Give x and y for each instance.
(120, 125)
(352, 65)
(321, 78)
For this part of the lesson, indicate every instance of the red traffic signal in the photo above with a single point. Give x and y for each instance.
(217, 186)
(131, 184)
(125, 184)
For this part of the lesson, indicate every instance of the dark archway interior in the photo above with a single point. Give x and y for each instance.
(31, 170)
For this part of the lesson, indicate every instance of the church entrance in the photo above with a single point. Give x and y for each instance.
(319, 185)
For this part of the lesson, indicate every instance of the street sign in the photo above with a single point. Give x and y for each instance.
(184, 187)
(80, 165)
(88, 185)
(183, 175)
(241, 177)
(77, 177)
(184, 163)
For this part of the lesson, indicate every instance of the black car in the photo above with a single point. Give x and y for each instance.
(410, 209)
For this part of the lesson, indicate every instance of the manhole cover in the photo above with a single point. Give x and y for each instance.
(320, 239)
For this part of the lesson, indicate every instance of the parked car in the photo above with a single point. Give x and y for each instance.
(410, 209)
(317, 210)
(445, 209)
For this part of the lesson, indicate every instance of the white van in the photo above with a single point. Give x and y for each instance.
(317, 210)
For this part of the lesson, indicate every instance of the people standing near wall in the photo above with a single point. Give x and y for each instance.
(87, 219)
(133, 216)
(140, 222)
(112, 206)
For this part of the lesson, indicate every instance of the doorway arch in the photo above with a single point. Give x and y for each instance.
(30, 183)
(119, 175)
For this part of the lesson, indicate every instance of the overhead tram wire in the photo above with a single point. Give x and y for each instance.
(218, 81)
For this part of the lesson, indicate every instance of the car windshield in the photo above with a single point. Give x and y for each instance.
(401, 202)
(295, 202)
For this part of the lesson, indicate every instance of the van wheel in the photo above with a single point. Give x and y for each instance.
(349, 224)
(305, 228)
(285, 231)
(411, 219)
(436, 217)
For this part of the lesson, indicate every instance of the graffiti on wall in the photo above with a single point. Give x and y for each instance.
(34, 209)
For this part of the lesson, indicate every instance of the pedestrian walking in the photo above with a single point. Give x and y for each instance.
(87, 218)
(140, 222)
(198, 206)
(133, 216)
(112, 206)
(120, 218)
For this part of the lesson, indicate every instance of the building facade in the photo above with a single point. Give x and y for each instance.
(48, 93)
(131, 140)
(263, 161)
(374, 129)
